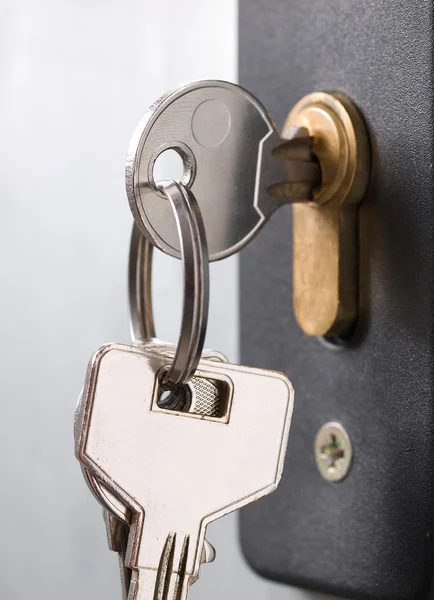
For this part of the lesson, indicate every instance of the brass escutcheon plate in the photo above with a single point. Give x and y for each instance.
(325, 253)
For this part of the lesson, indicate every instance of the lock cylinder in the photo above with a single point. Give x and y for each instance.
(325, 230)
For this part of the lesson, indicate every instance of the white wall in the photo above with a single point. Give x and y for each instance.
(75, 77)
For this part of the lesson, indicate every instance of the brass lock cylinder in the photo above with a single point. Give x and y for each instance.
(325, 232)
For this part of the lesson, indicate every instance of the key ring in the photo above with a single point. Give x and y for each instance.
(142, 326)
(194, 253)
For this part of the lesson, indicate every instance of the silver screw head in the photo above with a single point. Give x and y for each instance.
(333, 451)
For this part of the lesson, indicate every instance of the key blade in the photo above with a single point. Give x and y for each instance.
(289, 172)
(117, 538)
(169, 581)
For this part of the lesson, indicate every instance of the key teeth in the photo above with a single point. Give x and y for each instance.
(182, 567)
(126, 576)
(303, 173)
(165, 569)
(117, 533)
(292, 192)
(297, 145)
(117, 537)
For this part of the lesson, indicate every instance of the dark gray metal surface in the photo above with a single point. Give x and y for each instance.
(370, 536)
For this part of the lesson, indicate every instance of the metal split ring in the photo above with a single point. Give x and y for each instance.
(194, 254)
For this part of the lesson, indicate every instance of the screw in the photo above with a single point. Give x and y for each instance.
(333, 451)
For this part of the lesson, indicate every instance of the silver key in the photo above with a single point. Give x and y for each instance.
(174, 471)
(225, 138)
(204, 400)
(204, 397)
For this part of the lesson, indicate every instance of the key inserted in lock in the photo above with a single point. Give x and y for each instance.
(227, 141)
(242, 170)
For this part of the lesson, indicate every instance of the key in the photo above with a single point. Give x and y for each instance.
(169, 546)
(116, 516)
(175, 471)
(226, 140)
(204, 400)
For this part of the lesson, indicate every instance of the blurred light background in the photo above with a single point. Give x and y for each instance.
(75, 78)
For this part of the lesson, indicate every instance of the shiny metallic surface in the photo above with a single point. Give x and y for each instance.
(142, 328)
(132, 448)
(198, 387)
(194, 254)
(116, 515)
(226, 140)
(205, 395)
(333, 451)
(117, 538)
(205, 398)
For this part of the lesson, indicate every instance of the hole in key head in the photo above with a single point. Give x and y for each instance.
(200, 396)
(174, 397)
(172, 163)
(168, 165)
